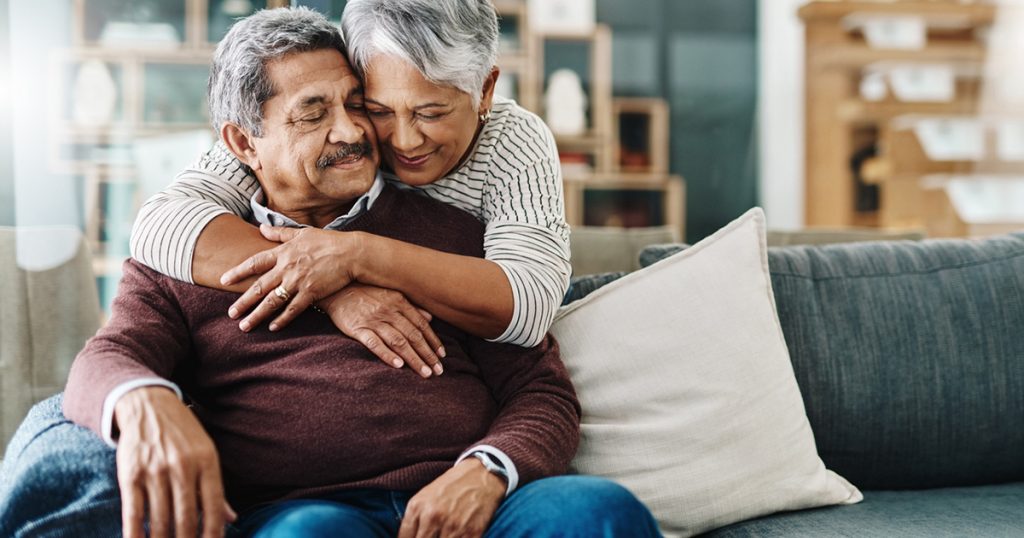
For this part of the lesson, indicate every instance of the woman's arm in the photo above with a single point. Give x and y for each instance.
(168, 230)
(472, 294)
(510, 297)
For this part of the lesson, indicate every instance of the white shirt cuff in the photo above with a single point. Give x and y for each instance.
(107, 419)
(506, 462)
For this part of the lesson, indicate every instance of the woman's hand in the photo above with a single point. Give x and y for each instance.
(387, 324)
(309, 265)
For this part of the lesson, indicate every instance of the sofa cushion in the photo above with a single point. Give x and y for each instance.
(687, 391)
(910, 357)
(600, 249)
(954, 512)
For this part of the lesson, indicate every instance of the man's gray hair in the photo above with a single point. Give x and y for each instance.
(239, 84)
(451, 42)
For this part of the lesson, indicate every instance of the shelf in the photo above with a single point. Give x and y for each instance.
(977, 14)
(858, 55)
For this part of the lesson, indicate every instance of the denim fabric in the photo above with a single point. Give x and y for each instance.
(989, 511)
(580, 287)
(563, 506)
(909, 355)
(58, 480)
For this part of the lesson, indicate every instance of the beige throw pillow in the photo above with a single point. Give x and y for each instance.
(688, 395)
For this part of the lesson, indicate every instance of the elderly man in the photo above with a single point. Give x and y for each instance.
(304, 431)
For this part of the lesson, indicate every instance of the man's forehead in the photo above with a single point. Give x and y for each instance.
(309, 78)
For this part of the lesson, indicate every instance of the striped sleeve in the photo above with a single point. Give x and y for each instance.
(526, 234)
(168, 225)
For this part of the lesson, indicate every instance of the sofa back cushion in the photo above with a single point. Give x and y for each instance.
(910, 357)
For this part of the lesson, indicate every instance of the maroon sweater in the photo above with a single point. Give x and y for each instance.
(308, 410)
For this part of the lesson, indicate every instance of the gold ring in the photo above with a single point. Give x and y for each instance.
(282, 293)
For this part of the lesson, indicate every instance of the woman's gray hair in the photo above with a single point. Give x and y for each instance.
(239, 84)
(451, 42)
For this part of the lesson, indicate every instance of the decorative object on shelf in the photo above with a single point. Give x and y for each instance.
(872, 86)
(94, 95)
(224, 13)
(236, 8)
(149, 35)
(948, 139)
(923, 82)
(562, 16)
(575, 164)
(140, 23)
(565, 104)
(903, 32)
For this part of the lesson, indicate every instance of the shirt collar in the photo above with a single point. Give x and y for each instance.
(265, 215)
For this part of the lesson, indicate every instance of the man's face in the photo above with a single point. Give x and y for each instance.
(318, 148)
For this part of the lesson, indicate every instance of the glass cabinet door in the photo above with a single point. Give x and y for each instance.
(153, 22)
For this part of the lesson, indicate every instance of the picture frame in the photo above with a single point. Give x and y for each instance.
(641, 134)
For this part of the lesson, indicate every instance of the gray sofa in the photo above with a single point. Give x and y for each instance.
(910, 359)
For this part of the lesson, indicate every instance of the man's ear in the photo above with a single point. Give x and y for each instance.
(240, 143)
(487, 95)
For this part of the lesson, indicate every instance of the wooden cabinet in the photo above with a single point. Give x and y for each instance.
(603, 186)
(133, 82)
(846, 118)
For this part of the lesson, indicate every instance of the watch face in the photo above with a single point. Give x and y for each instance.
(491, 465)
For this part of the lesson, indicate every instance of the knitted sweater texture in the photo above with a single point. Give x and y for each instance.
(307, 410)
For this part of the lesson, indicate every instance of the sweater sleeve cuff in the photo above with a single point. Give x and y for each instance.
(506, 462)
(107, 419)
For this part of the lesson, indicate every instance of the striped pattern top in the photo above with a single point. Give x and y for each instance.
(512, 182)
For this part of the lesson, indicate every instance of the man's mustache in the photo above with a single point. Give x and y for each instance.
(361, 149)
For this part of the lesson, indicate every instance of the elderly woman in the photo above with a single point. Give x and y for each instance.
(428, 68)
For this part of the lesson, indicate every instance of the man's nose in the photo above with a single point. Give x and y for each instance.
(344, 130)
(406, 136)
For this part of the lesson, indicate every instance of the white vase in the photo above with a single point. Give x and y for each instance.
(94, 95)
(565, 103)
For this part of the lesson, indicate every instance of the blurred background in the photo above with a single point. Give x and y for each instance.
(841, 118)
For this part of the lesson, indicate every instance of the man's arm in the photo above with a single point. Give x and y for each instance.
(164, 457)
(538, 425)
(535, 433)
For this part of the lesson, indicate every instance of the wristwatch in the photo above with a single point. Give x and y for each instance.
(491, 464)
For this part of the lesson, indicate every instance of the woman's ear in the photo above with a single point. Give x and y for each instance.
(241, 144)
(487, 94)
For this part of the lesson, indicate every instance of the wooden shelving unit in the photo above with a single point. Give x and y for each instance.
(101, 154)
(149, 79)
(604, 171)
(839, 120)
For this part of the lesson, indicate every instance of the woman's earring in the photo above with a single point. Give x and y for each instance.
(485, 116)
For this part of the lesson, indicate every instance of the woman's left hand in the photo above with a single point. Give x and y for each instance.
(309, 265)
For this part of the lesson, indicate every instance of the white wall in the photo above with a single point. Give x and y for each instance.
(781, 112)
(42, 197)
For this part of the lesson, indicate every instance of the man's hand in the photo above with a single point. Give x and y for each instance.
(459, 503)
(310, 264)
(387, 324)
(165, 460)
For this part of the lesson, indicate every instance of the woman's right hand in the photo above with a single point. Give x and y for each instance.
(391, 327)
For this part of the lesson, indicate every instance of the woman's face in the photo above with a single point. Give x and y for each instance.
(424, 129)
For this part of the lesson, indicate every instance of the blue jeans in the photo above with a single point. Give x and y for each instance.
(60, 480)
(562, 506)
